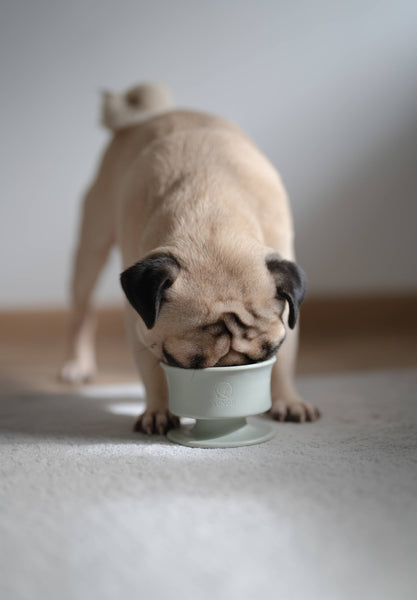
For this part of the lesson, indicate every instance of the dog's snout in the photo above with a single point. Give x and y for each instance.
(269, 349)
(198, 361)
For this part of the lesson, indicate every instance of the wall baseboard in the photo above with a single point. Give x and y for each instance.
(319, 316)
(361, 313)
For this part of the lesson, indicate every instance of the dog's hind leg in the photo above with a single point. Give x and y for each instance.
(96, 239)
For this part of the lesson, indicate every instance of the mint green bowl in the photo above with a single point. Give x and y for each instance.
(220, 399)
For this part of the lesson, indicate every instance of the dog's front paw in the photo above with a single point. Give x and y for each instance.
(78, 371)
(293, 409)
(156, 421)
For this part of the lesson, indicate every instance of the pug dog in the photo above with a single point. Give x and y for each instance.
(204, 227)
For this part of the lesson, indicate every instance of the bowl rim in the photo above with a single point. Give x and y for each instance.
(233, 368)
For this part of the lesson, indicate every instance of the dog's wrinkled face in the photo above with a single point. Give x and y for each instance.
(229, 333)
(191, 321)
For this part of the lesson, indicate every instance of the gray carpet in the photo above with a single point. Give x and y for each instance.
(327, 510)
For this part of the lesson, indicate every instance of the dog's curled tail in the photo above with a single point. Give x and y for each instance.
(129, 108)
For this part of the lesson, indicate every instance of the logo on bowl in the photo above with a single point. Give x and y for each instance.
(224, 395)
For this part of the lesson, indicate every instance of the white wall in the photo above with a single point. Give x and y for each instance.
(327, 89)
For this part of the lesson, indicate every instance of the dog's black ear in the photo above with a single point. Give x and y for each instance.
(290, 280)
(145, 283)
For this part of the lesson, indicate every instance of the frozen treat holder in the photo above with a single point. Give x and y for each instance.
(221, 399)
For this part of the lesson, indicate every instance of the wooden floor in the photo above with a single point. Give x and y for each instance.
(336, 337)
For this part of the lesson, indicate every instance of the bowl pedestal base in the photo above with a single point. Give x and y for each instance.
(222, 433)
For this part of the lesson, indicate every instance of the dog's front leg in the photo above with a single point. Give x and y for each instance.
(287, 405)
(156, 418)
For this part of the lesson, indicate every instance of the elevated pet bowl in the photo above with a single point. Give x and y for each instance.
(220, 399)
